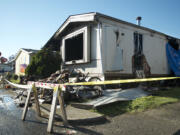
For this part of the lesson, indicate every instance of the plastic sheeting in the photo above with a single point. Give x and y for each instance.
(173, 57)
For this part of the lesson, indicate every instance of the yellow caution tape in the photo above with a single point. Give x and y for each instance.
(56, 88)
(122, 81)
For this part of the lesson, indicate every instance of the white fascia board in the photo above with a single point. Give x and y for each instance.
(82, 18)
(25, 51)
(76, 18)
(18, 54)
(21, 50)
(86, 47)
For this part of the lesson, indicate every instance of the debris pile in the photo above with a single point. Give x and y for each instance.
(20, 98)
(57, 77)
(71, 93)
(45, 96)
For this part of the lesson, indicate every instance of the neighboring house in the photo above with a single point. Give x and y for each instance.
(5, 68)
(107, 47)
(23, 59)
(11, 63)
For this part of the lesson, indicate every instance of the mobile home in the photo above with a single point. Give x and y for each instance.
(107, 47)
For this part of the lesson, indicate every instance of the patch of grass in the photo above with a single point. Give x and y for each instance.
(114, 108)
(141, 104)
(149, 102)
(15, 81)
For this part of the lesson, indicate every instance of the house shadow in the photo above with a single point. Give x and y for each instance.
(168, 91)
(81, 125)
(89, 121)
(76, 128)
(77, 125)
(74, 125)
(177, 133)
(36, 122)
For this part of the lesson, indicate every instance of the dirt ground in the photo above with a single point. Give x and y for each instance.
(161, 121)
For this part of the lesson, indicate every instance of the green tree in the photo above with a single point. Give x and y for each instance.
(43, 64)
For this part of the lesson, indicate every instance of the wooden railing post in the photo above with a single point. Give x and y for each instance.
(36, 100)
(62, 106)
(57, 93)
(53, 110)
(27, 103)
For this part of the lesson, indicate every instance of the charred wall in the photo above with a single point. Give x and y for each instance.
(54, 43)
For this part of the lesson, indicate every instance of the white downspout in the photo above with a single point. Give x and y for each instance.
(101, 50)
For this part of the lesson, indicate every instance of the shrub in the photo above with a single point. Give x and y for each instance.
(43, 64)
(15, 77)
(8, 76)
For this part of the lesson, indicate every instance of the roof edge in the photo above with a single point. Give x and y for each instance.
(86, 17)
(23, 49)
(133, 25)
(94, 17)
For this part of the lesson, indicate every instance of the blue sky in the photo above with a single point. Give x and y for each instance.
(30, 24)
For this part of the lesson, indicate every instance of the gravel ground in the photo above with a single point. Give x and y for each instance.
(161, 121)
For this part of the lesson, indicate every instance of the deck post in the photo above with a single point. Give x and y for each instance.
(62, 107)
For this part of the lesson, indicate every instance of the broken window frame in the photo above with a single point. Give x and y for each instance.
(86, 46)
(138, 50)
(138, 43)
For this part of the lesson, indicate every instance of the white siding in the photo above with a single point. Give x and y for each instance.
(112, 50)
(94, 67)
(23, 58)
(155, 52)
(106, 56)
(153, 47)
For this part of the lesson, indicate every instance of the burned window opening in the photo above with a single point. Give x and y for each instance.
(138, 51)
(138, 43)
(74, 48)
(117, 38)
